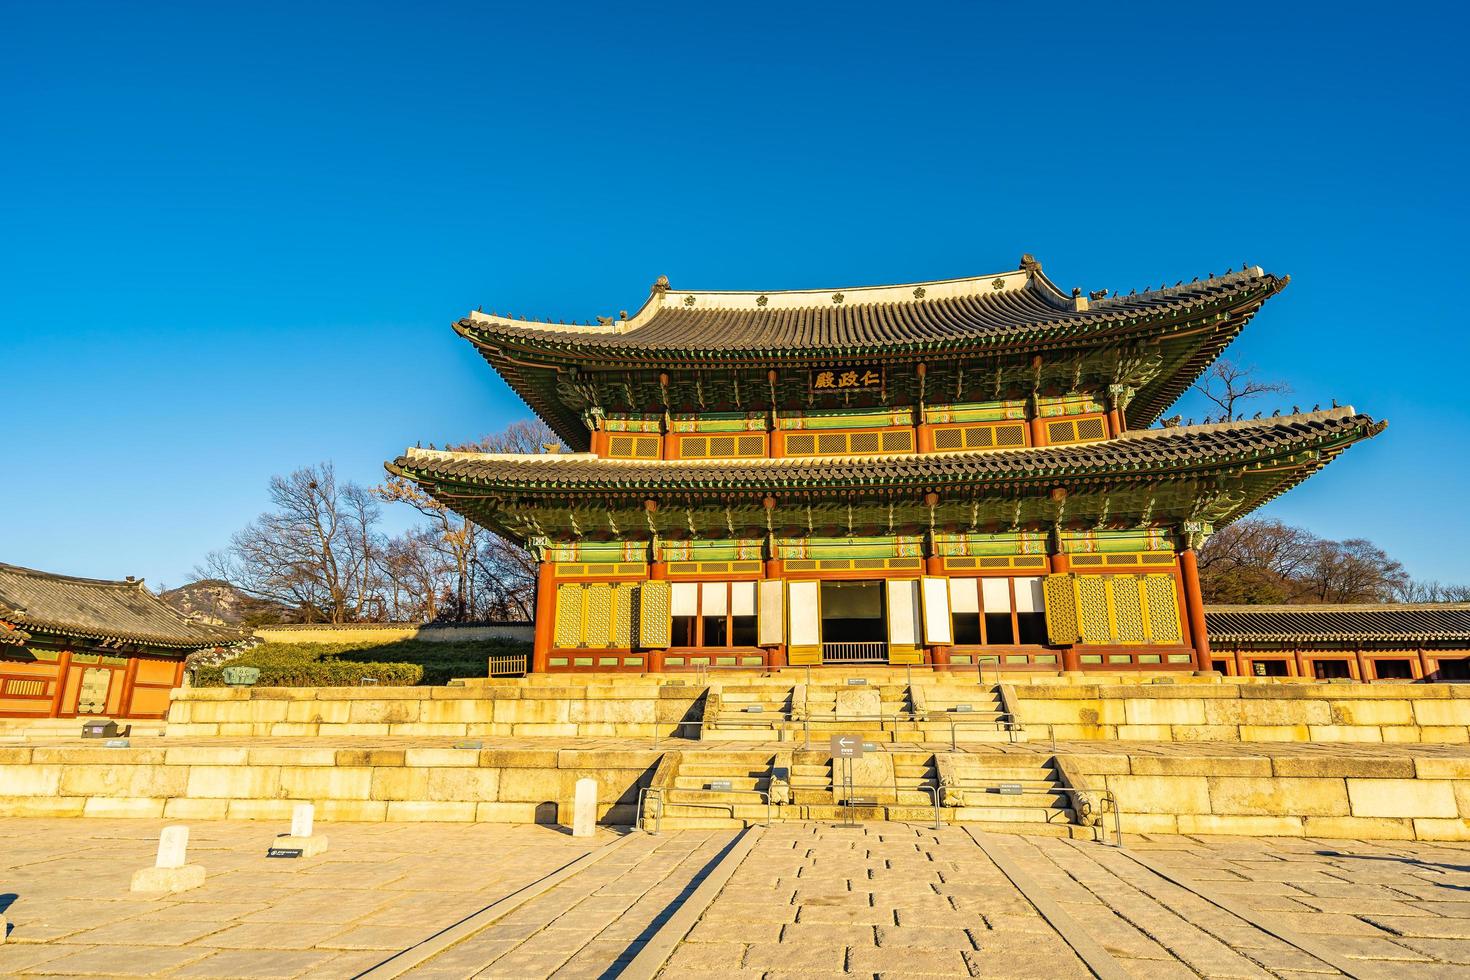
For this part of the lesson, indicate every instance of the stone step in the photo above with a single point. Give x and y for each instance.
(998, 814)
(1005, 773)
(989, 801)
(736, 782)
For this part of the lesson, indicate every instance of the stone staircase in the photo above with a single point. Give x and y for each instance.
(975, 792)
(886, 710)
(723, 789)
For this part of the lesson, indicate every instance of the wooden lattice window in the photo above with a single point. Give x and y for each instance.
(597, 615)
(733, 446)
(849, 443)
(1122, 609)
(632, 447)
(1003, 435)
(1084, 428)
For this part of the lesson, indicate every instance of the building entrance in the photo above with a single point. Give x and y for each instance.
(854, 623)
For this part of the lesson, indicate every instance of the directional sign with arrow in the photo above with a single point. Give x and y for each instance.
(847, 747)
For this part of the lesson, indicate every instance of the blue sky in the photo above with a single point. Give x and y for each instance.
(233, 237)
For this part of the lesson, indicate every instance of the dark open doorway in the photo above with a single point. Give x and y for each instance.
(854, 622)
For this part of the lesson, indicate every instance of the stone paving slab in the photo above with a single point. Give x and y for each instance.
(810, 900)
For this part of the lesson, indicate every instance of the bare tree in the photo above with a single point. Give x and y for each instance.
(315, 551)
(488, 571)
(1265, 561)
(1227, 384)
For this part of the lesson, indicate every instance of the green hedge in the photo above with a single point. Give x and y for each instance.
(396, 664)
(317, 673)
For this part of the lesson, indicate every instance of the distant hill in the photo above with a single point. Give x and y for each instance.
(217, 601)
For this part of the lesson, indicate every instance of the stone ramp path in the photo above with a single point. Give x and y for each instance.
(591, 923)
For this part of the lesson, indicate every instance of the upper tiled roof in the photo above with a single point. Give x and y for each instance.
(99, 609)
(1139, 451)
(1375, 623)
(1022, 307)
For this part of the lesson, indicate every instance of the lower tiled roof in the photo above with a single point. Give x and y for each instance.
(1138, 452)
(1375, 623)
(38, 602)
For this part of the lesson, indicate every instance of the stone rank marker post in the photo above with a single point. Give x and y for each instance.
(300, 842)
(170, 873)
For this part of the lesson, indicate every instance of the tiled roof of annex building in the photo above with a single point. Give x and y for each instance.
(1140, 451)
(33, 602)
(1018, 308)
(1366, 623)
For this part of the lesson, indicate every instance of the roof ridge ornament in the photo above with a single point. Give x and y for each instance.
(661, 284)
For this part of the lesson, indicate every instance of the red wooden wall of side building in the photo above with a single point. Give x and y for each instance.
(67, 684)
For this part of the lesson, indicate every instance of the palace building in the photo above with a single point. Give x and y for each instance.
(927, 473)
(79, 647)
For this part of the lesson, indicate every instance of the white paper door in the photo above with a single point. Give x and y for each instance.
(742, 598)
(964, 597)
(685, 599)
(771, 627)
(996, 594)
(712, 598)
(903, 612)
(937, 626)
(1029, 598)
(806, 613)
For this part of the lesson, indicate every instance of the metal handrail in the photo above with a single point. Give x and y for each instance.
(657, 793)
(1106, 795)
(980, 667)
(999, 723)
(931, 790)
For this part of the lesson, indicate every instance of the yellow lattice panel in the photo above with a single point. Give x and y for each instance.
(1002, 435)
(843, 443)
(1163, 608)
(1158, 559)
(654, 606)
(1060, 593)
(987, 563)
(1086, 428)
(597, 630)
(1128, 608)
(1092, 609)
(622, 616)
(569, 615)
(633, 447)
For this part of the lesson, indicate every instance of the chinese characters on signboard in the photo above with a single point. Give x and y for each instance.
(846, 379)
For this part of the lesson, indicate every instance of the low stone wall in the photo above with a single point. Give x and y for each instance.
(370, 784)
(1397, 797)
(393, 632)
(1429, 713)
(627, 710)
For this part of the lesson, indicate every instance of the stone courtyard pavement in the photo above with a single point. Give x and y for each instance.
(792, 900)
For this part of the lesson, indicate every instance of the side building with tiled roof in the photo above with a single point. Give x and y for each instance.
(1360, 641)
(80, 647)
(936, 473)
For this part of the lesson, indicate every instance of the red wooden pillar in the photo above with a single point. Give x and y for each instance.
(1194, 604)
(1364, 674)
(63, 667)
(130, 677)
(545, 617)
(1115, 423)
